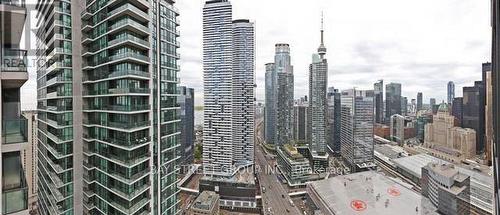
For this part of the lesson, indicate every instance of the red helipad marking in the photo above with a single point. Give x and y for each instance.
(393, 191)
(358, 205)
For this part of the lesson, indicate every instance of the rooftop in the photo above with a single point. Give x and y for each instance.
(206, 200)
(369, 193)
(481, 181)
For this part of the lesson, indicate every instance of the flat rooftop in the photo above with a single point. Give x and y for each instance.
(206, 200)
(369, 193)
(481, 180)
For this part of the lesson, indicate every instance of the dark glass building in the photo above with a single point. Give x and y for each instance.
(379, 101)
(393, 100)
(473, 112)
(186, 102)
(419, 101)
(457, 109)
(334, 123)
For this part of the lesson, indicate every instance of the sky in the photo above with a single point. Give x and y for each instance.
(420, 44)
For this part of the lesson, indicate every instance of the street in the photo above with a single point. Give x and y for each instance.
(275, 199)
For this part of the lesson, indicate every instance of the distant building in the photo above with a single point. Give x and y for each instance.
(270, 108)
(284, 95)
(420, 100)
(300, 117)
(382, 131)
(432, 102)
(186, 102)
(451, 92)
(400, 131)
(392, 100)
(357, 129)
(404, 106)
(334, 122)
(457, 110)
(207, 203)
(422, 120)
(447, 141)
(366, 193)
(379, 101)
(473, 112)
(293, 165)
(318, 107)
(447, 188)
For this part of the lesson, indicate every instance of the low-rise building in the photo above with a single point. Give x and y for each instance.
(207, 203)
(447, 188)
(238, 192)
(481, 180)
(293, 165)
(366, 192)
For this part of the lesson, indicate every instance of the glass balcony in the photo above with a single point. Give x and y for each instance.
(14, 131)
(14, 186)
(115, 91)
(118, 107)
(128, 38)
(130, 22)
(14, 60)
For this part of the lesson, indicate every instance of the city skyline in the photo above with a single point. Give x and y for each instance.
(362, 56)
(460, 58)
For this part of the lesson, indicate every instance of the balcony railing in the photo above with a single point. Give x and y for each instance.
(14, 131)
(14, 60)
(118, 107)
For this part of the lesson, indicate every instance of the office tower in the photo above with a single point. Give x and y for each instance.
(270, 109)
(243, 91)
(300, 117)
(185, 100)
(422, 120)
(229, 65)
(318, 81)
(399, 128)
(404, 106)
(379, 101)
(392, 100)
(457, 110)
(13, 67)
(420, 101)
(451, 92)
(488, 111)
(473, 112)
(334, 122)
(284, 95)
(432, 102)
(413, 106)
(279, 97)
(31, 159)
(495, 58)
(107, 107)
(357, 129)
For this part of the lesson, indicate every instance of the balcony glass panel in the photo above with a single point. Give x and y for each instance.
(14, 131)
(14, 60)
